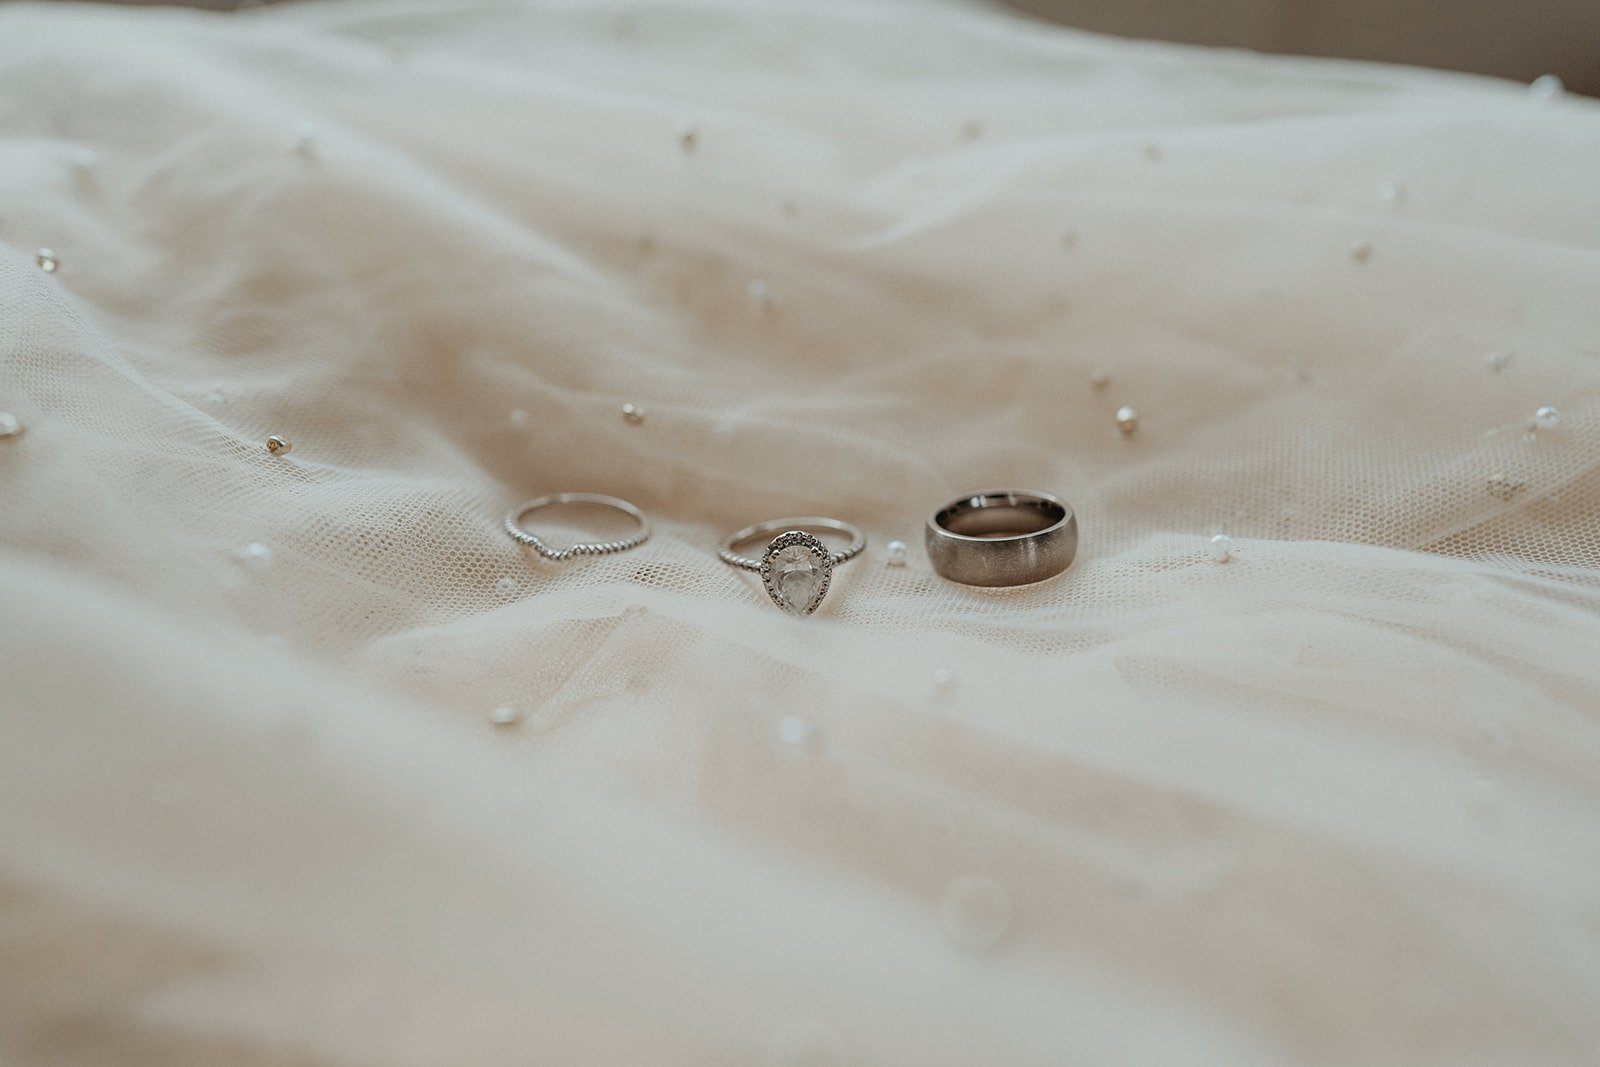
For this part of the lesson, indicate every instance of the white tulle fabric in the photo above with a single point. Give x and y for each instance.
(1336, 800)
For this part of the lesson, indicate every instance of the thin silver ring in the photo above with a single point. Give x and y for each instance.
(589, 548)
(1003, 537)
(858, 540)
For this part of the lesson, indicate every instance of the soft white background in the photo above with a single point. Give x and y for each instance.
(1333, 801)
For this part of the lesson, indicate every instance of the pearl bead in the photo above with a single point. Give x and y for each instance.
(1221, 547)
(1498, 361)
(794, 731)
(1127, 419)
(84, 161)
(10, 425)
(504, 715)
(897, 552)
(47, 261)
(518, 418)
(944, 681)
(976, 911)
(760, 296)
(1546, 87)
(255, 555)
(1547, 418)
(1361, 251)
(632, 414)
(279, 446)
(1392, 193)
(506, 585)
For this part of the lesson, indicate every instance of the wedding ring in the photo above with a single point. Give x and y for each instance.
(1005, 537)
(588, 548)
(797, 566)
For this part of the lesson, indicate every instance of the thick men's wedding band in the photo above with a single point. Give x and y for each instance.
(1005, 537)
(583, 548)
(797, 566)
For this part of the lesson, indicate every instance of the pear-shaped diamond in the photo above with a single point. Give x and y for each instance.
(796, 571)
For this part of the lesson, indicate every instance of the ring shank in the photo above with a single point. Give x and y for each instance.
(773, 527)
(1002, 538)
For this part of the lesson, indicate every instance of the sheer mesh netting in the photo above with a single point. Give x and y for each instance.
(1332, 800)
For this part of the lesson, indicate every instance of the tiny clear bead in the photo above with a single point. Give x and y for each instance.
(1361, 251)
(976, 911)
(944, 681)
(519, 418)
(279, 446)
(1546, 87)
(504, 715)
(506, 585)
(1547, 418)
(255, 556)
(1221, 547)
(632, 414)
(897, 552)
(47, 261)
(1127, 420)
(10, 425)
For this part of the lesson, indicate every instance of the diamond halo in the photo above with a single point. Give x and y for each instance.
(796, 570)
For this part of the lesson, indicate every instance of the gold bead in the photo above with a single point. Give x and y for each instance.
(278, 446)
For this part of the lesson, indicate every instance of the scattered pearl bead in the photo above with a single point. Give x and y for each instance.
(760, 296)
(256, 556)
(1546, 87)
(10, 425)
(1221, 547)
(519, 418)
(1547, 418)
(279, 446)
(1361, 251)
(688, 138)
(305, 140)
(976, 911)
(1392, 193)
(506, 585)
(85, 161)
(1127, 419)
(1498, 361)
(897, 553)
(794, 731)
(944, 681)
(632, 414)
(47, 261)
(504, 715)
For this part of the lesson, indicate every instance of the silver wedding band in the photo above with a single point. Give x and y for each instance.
(1001, 538)
(515, 528)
